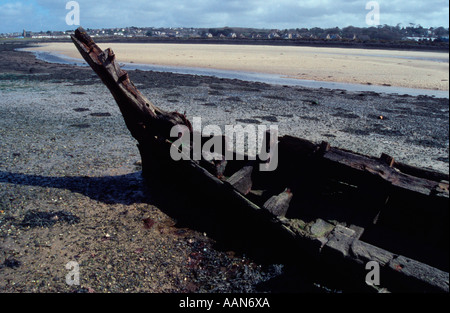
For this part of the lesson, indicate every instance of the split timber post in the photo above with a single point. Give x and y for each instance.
(148, 124)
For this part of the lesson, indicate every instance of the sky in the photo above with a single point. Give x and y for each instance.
(44, 15)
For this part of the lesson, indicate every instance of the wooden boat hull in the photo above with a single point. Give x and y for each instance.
(339, 209)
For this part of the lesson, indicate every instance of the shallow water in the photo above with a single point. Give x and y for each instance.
(274, 79)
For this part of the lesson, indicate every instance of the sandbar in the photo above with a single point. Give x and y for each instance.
(411, 69)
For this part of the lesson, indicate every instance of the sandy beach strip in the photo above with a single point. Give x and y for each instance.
(411, 69)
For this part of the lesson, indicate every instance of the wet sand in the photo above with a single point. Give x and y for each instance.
(411, 69)
(71, 189)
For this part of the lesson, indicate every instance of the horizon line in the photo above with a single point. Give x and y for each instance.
(231, 27)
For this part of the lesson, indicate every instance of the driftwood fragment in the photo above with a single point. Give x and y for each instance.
(242, 179)
(278, 205)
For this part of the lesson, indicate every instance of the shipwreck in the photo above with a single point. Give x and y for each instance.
(342, 210)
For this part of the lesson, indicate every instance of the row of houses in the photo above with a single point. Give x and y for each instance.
(40, 35)
(276, 35)
(226, 32)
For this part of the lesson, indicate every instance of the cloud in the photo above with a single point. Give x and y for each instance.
(50, 14)
(12, 13)
(426, 13)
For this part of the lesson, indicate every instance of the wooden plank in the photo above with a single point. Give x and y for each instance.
(297, 146)
(412, 183)
(372, 166)
(421, 172)
(413, 272)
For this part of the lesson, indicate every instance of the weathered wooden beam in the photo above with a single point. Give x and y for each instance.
(242, 179)
(397, 272)
(373, 167)
(401, 175)
(279, 205)
(387, 159)
(420, 172)
(297, 146)
(141, 116)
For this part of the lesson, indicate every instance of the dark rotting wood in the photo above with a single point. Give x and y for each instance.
(279, 205)
(242, 179)
(387, 159)
(143, 119)
(324, 147)
(297, 146)
(420, 172)
(215, 164)
(441, 189)
(371, 166)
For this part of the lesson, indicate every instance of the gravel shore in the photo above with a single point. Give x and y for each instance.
(71, 190)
